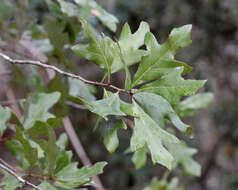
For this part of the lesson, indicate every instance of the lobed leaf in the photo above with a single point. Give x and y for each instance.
(38, 108)
(71, 177)
(183, 156)
(106, 106)
(172, 86)
(147, 133)
(160, 59)
(108, 129)
(159, 110)
(108, 54)
(193, 103)
(139, 158)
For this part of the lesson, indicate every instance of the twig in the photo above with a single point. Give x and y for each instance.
(20, 179)
(6, 164)
(56, 69)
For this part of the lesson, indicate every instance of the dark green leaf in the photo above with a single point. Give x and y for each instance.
(25, 147)
(63, 160)
(5, 115)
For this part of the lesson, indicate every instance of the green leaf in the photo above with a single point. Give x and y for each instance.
(108, 129)
(63, 160)
(78, 89)
(6, 10)
(59, 85)
(91, 6)
(172, 86)
(129, 44)
(45, 185)
(68, 8)
(62, 141)
(147, 133)
(24, 146)
(163, 184)
(100, 49)
(180, 37)
(38, 108)
(106, 106)
(5, 115)
(160, 59)
(106, 53)
(183, 156)
(49, 146)
(9, 182)
(159, 110)
(191, 104)
(126, 108)
(139, 158)
(72, 177)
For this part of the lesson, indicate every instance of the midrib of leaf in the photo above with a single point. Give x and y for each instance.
(113, 99)
(105, 59)
(150, 67)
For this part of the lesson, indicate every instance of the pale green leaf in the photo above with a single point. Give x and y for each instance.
(139, 158)
(129, 44)
(172, 86)
(5, 115)
(147, 133)
(70, 176)
(159, 110)
(160, 59)
(47, 186)
(68, 8)
(106, 53)
(62, 141)
(38, 108)
(79, 89)
(108, 129)
(193, 103)
(106, 106)
(180, 37)
(92, 8)
(164, 184)
(9, 182)
(183, 156)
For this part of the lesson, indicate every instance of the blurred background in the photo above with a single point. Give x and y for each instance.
(213, 56)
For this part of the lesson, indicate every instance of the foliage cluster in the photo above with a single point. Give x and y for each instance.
(156, 96)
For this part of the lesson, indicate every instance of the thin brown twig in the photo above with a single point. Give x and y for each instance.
(20, 179)
(56, 69)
